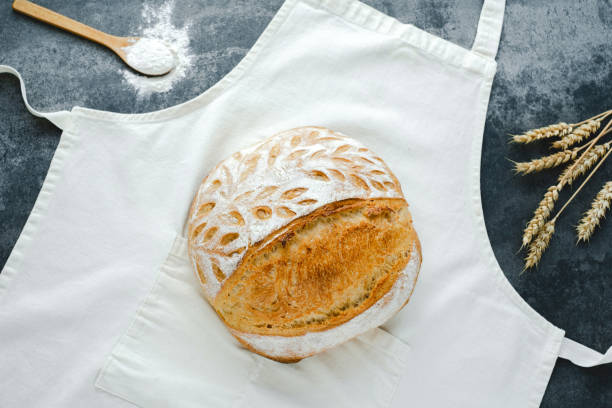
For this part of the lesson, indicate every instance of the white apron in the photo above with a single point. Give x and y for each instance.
(97, 300)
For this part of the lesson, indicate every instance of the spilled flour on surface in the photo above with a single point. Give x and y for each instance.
(157, 24)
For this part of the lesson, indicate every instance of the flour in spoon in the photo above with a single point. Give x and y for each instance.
(150, 56)
(157, 25)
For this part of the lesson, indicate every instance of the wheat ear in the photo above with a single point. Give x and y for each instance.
(596, 213)
(539, 245)
(583, 164)
(558, 129)
(541, 214)
(583, 132)
(589, 145)
(544, 230)
(547, 204)
(586, 180)
(580, 166)
(546, 162)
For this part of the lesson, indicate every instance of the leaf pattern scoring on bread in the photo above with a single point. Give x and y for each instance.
(262, 188)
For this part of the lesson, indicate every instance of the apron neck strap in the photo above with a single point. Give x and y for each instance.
(61, 119)
(489, 28)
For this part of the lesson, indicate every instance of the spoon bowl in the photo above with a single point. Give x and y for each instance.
(149, 56)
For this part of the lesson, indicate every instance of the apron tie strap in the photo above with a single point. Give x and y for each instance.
(61, 119)
(582, 355)
(489, 28)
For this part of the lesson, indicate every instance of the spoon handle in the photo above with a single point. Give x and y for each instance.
(63, 22)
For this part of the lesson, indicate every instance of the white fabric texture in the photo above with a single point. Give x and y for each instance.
(86, 273)
(177, 353)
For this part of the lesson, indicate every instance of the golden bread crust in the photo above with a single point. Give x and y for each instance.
(319, 271)
(298, 235)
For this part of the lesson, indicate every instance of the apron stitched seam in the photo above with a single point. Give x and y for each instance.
(398, 362)
(407, 33)
(486, 251)
(119, 346)
(396, 382)
(45, 195)
(549, 357)
(399, 349)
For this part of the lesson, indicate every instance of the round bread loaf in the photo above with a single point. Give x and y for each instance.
(302, 242)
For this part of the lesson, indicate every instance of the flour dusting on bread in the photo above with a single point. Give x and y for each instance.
(264, 187)
(303, 241)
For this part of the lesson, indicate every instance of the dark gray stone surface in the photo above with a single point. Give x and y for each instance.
(553, 66)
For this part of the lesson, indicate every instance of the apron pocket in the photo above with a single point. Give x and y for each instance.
(363, 372)
(178, 353)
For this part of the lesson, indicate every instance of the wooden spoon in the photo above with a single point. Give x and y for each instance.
(165, 59)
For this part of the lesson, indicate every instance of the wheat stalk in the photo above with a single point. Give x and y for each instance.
(539, 244)
(546, 162)
(594, 215)
(583, 164)
(583, 132)
(539, 230)
(542, 237)
(558, 129)
(569, 175)
(589, 145)
(541, 214)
